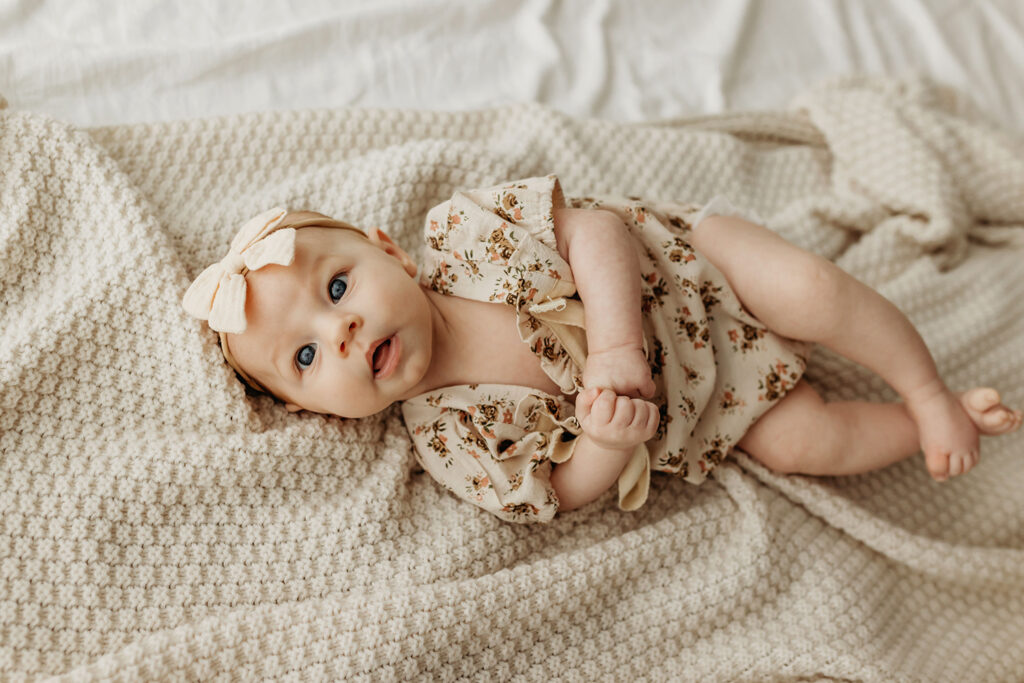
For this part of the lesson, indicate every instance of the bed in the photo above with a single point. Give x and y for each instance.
(149, 61)
(158, 523)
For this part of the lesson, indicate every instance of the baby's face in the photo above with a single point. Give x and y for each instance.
(312, 326)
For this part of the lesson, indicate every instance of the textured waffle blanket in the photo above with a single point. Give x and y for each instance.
(157, 523)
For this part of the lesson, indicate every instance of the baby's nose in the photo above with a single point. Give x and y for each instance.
(347, 331)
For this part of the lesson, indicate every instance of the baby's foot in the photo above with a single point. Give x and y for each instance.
(988, 414)
(949, 425)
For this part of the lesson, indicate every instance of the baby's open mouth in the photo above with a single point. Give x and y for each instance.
(385, 357)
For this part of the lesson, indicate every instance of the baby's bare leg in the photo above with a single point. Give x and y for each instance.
(800, 295)
(803, 434)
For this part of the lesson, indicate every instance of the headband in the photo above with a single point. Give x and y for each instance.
(218, 294)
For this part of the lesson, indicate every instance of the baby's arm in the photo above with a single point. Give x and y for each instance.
(606, 270)
(604, 265)
(590, 472)
(607, 275)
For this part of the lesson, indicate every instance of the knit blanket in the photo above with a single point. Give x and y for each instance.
(158, 523)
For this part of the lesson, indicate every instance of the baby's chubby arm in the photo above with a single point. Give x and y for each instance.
(614, 418)
(604, 265)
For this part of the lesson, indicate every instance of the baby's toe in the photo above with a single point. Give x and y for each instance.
(980, 399)
(995, 418)
(1000, 421)
(938, 463)
(956, 464)
(960, 463)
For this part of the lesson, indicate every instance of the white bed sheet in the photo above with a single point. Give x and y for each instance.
(99, 63)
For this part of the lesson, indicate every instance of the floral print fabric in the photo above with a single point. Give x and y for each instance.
(716, 368)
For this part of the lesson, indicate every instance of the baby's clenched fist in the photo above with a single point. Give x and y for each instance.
(616, 421)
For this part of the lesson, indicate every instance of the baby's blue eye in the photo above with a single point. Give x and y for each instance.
(337, 287)
(305, 356)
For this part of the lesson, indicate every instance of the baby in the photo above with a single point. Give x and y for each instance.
(697, 328)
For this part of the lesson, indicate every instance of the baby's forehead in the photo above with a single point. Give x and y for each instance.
(311, 241)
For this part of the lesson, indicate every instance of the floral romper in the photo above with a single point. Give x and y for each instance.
(715, 367)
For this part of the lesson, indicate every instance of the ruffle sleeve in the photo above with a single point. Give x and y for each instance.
(493, 446)
(500, 238)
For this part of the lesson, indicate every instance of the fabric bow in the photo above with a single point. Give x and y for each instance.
(218, 294)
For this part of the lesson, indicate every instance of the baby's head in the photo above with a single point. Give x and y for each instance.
(318, 314)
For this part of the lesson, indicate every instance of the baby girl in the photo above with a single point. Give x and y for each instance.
(682, 330)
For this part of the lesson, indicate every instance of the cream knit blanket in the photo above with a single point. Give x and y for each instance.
(158, 524)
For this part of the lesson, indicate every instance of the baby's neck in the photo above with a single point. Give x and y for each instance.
(446, 343)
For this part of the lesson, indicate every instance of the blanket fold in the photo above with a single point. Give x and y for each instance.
(158, 523)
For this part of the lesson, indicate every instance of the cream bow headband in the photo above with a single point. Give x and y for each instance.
(218, 294)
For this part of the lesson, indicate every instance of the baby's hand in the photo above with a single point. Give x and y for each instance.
(617, 422)
(624, 370)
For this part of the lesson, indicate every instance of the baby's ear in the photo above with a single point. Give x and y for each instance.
(292, 408)
(377, 236)
(384, 241)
